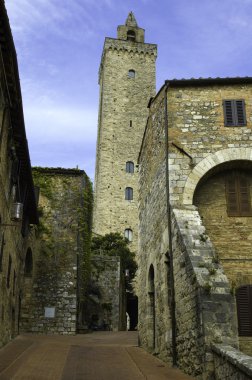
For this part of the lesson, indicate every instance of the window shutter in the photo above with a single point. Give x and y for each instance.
(228, 112)
(231, 195)
(244, 310)
(240, 112)
(234, 112)
(238, 195)
(244, 195)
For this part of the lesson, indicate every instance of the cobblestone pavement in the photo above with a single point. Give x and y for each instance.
(96, 356)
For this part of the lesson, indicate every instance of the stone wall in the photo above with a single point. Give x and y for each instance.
(52, 304)
(16, 234)
(103, 303)
(200, 148)
(231, 364)
(153, 296)
(205, 308)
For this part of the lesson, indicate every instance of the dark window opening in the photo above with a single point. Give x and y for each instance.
(238, 195)
(2, 244)
(14, 282)
(131, 35)
(131, 73)
(244, 310)
(129, 167)
(128, 234)
(9, 272)
(129, 193)
(130, 123)
(28, 263)
(234, 113)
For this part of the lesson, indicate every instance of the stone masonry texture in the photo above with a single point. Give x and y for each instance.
(122, 117)
(210, 250)
(53, 283)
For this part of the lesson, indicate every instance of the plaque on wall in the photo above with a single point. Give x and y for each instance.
(49, 312)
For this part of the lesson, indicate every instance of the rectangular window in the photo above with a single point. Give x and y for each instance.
(238, 195)
(244, 310)
(234, 113)
(9, 272)
(2, 243)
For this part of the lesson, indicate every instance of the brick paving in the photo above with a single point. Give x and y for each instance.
(96, 356)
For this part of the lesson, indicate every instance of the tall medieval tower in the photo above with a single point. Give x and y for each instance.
(127, 80)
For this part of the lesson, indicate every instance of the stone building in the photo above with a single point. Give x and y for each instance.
(127, 81)
(104, 306)
(55, 285)
(16, 189)
(195, 264)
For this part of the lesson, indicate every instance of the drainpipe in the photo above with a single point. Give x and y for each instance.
(170, 253)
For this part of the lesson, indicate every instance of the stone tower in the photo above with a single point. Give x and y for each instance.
(127, 81)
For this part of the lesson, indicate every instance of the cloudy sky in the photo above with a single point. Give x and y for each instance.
(59, 45)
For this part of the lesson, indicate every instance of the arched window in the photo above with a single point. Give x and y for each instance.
(128, 234)
(244, 310)
(129, 167)
(131, 35)
(129, 193)
(28, 263)
(131, 73)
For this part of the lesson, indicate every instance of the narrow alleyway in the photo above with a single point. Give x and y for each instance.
(96, 356)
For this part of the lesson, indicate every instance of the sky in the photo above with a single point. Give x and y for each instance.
(59, 45)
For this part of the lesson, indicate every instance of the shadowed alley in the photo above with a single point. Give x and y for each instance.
(96, 356)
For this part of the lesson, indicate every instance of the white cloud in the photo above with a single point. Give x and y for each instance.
(61, 123)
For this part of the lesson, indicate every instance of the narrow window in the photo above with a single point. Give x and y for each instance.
(131, 73)
(238, 195)
(129, 193)
(9, 272)
(28, 263)
(129, 167)
(131, 35)
(14, 282)
(244, 310)
(130, 123)
(128, 234)
(234, 113)
(2, 243)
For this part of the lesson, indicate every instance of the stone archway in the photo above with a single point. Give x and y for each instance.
(208, 163)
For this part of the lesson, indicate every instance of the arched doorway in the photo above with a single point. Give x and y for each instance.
(151, 308)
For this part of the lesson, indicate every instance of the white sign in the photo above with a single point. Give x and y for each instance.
(50, 312)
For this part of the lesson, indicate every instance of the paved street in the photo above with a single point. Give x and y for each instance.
(96, 356)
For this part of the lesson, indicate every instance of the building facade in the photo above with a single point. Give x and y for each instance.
(18, 204)
(55, 285)
(127, 81)
(195, 264)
